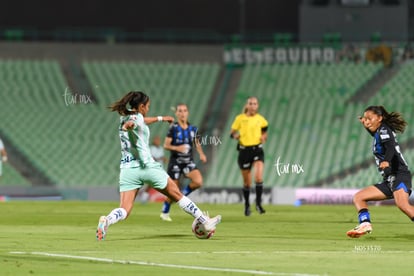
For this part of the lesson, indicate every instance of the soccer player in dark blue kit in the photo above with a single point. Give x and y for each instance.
(181, 138)
(396, 184)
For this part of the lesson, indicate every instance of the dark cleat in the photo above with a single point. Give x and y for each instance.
(260, 209)
(247, 211)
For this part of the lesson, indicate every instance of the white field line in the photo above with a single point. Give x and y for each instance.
(351, 251)
(106, 260)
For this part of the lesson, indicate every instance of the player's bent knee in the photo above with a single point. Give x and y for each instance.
(198, 183)
(402, 203)
(358, 198)
(355, 200)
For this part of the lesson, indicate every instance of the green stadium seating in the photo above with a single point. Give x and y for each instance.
(396, 95)
(167, 84)
(12, 177)
(74, 142)
(310, 123)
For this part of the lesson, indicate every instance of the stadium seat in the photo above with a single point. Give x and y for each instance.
(301, 104)
(312, 122)
(76, 143)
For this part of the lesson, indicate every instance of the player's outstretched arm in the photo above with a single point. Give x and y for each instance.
(203, 157)
(150, 120)
(169, 146)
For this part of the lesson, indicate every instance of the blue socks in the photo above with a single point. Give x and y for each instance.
(187, 190)
(166, 207)
(363, 216)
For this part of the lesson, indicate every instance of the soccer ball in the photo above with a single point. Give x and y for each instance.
(200, 232)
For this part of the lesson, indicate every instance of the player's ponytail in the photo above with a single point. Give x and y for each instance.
(393, 119)
(130, 101)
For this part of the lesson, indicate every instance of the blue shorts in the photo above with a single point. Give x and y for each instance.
(134, 178)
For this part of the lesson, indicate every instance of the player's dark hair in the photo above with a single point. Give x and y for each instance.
(130, 101)
(393, 119)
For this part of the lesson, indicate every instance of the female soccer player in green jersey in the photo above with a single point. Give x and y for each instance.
(139, 167)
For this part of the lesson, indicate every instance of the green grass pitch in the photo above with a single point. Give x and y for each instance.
(58, 238)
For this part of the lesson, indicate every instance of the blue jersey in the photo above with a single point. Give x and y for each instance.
(385, 147)
(182, 136)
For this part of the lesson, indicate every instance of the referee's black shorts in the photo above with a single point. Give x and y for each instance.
(248, 155)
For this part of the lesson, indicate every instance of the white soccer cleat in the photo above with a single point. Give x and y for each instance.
(360, 230)
(211, 223)
(102, 228)
(165, 217)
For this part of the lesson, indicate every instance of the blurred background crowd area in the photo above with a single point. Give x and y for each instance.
(314, 66)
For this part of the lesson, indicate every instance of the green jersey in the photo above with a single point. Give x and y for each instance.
(135, 148)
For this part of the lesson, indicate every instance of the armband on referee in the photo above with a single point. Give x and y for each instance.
(159, 118)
